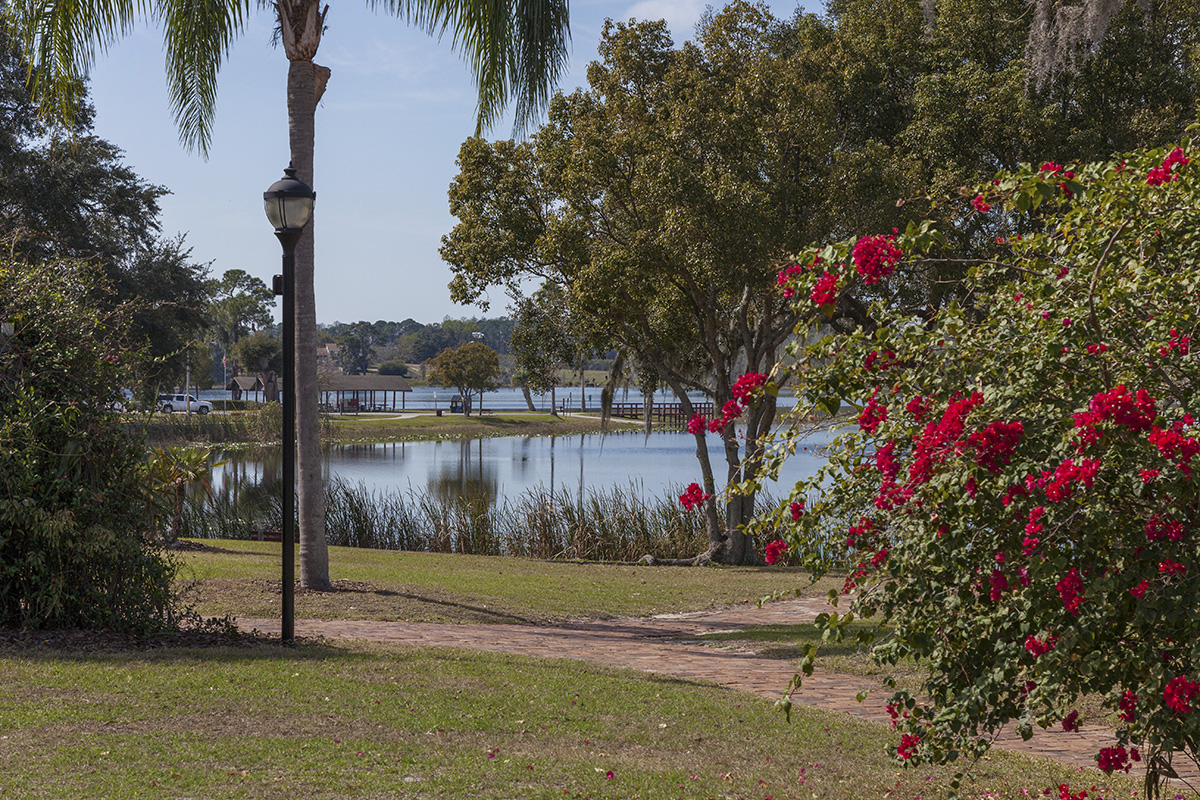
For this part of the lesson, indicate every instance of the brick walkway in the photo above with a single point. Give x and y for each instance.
(659, 644)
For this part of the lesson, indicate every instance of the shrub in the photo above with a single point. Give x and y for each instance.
(1015, 488)
(76, 549)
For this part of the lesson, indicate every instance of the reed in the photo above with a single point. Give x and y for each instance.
(604, 524)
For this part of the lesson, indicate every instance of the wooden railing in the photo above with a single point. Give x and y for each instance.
(663, 413)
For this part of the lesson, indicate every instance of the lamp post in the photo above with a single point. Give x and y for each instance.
(289, 204)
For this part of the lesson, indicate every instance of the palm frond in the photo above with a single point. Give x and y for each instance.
(197, 36)
(514, 48)
(60, 39)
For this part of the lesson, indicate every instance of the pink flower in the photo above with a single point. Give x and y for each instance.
(825, 292)
(696, 424)
(776, 550)
(980, 205)
(609, 775)
(875, 257)
(693, 496)
(797, 510)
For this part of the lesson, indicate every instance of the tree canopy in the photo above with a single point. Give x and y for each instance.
(471, 369)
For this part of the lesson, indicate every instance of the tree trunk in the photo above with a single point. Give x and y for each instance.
(528, 397)
(301, 23)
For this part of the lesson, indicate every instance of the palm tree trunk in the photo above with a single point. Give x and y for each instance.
(302, 94)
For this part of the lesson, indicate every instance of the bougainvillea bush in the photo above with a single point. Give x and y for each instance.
(1015, 490)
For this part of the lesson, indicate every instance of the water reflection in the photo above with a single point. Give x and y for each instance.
(469, 479)
(488, 469)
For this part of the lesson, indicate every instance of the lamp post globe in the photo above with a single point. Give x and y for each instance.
(289, 203)
(289, 206)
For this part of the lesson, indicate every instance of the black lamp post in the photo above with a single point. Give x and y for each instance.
(289, 203)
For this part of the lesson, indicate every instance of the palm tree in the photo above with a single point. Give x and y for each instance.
(515, 50)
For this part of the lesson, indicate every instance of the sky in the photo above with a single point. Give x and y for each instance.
(397, 108)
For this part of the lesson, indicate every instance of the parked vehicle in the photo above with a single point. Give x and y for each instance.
(122, 402)
(168, 403)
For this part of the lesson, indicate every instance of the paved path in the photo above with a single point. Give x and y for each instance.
(659, 644)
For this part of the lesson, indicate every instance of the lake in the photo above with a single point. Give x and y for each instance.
(659, 464)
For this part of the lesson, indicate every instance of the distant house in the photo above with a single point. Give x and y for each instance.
(241, 385)
(364, 392)
(327, 363)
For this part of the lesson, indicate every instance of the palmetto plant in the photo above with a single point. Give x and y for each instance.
(171, 471)
(515, 49)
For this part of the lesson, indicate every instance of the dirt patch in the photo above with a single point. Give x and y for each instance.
(104, 641)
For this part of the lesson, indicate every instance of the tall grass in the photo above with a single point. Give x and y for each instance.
(610, 524)
(263, 424)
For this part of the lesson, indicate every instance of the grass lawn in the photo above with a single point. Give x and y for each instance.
(427, 426)
(316, 721)
(242, 578)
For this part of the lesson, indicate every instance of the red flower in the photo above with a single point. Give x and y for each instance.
(875, 257)
(1111, 759)
(1179, 693)
(998, 583)
(1068, 589)
(872, 416)
(1070, 722)
(919, 407)
(1171, 567)
(693, 496)
(776, 550)
(994, 445)
(1173, 445)
(1037, 647)
(696, 424)
(980, 205)
(746, 385)
(1128, 706)
(908, 746)
(797, 510)
(825, 292)
(1136, 412)
(1139, 591)
(1157, 528)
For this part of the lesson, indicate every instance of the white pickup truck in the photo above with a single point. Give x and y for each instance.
(168, 403)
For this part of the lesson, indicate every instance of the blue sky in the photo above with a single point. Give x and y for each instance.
(398, 106)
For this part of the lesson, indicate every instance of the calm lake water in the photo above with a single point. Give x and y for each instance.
(656, 465)
(508, 399)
